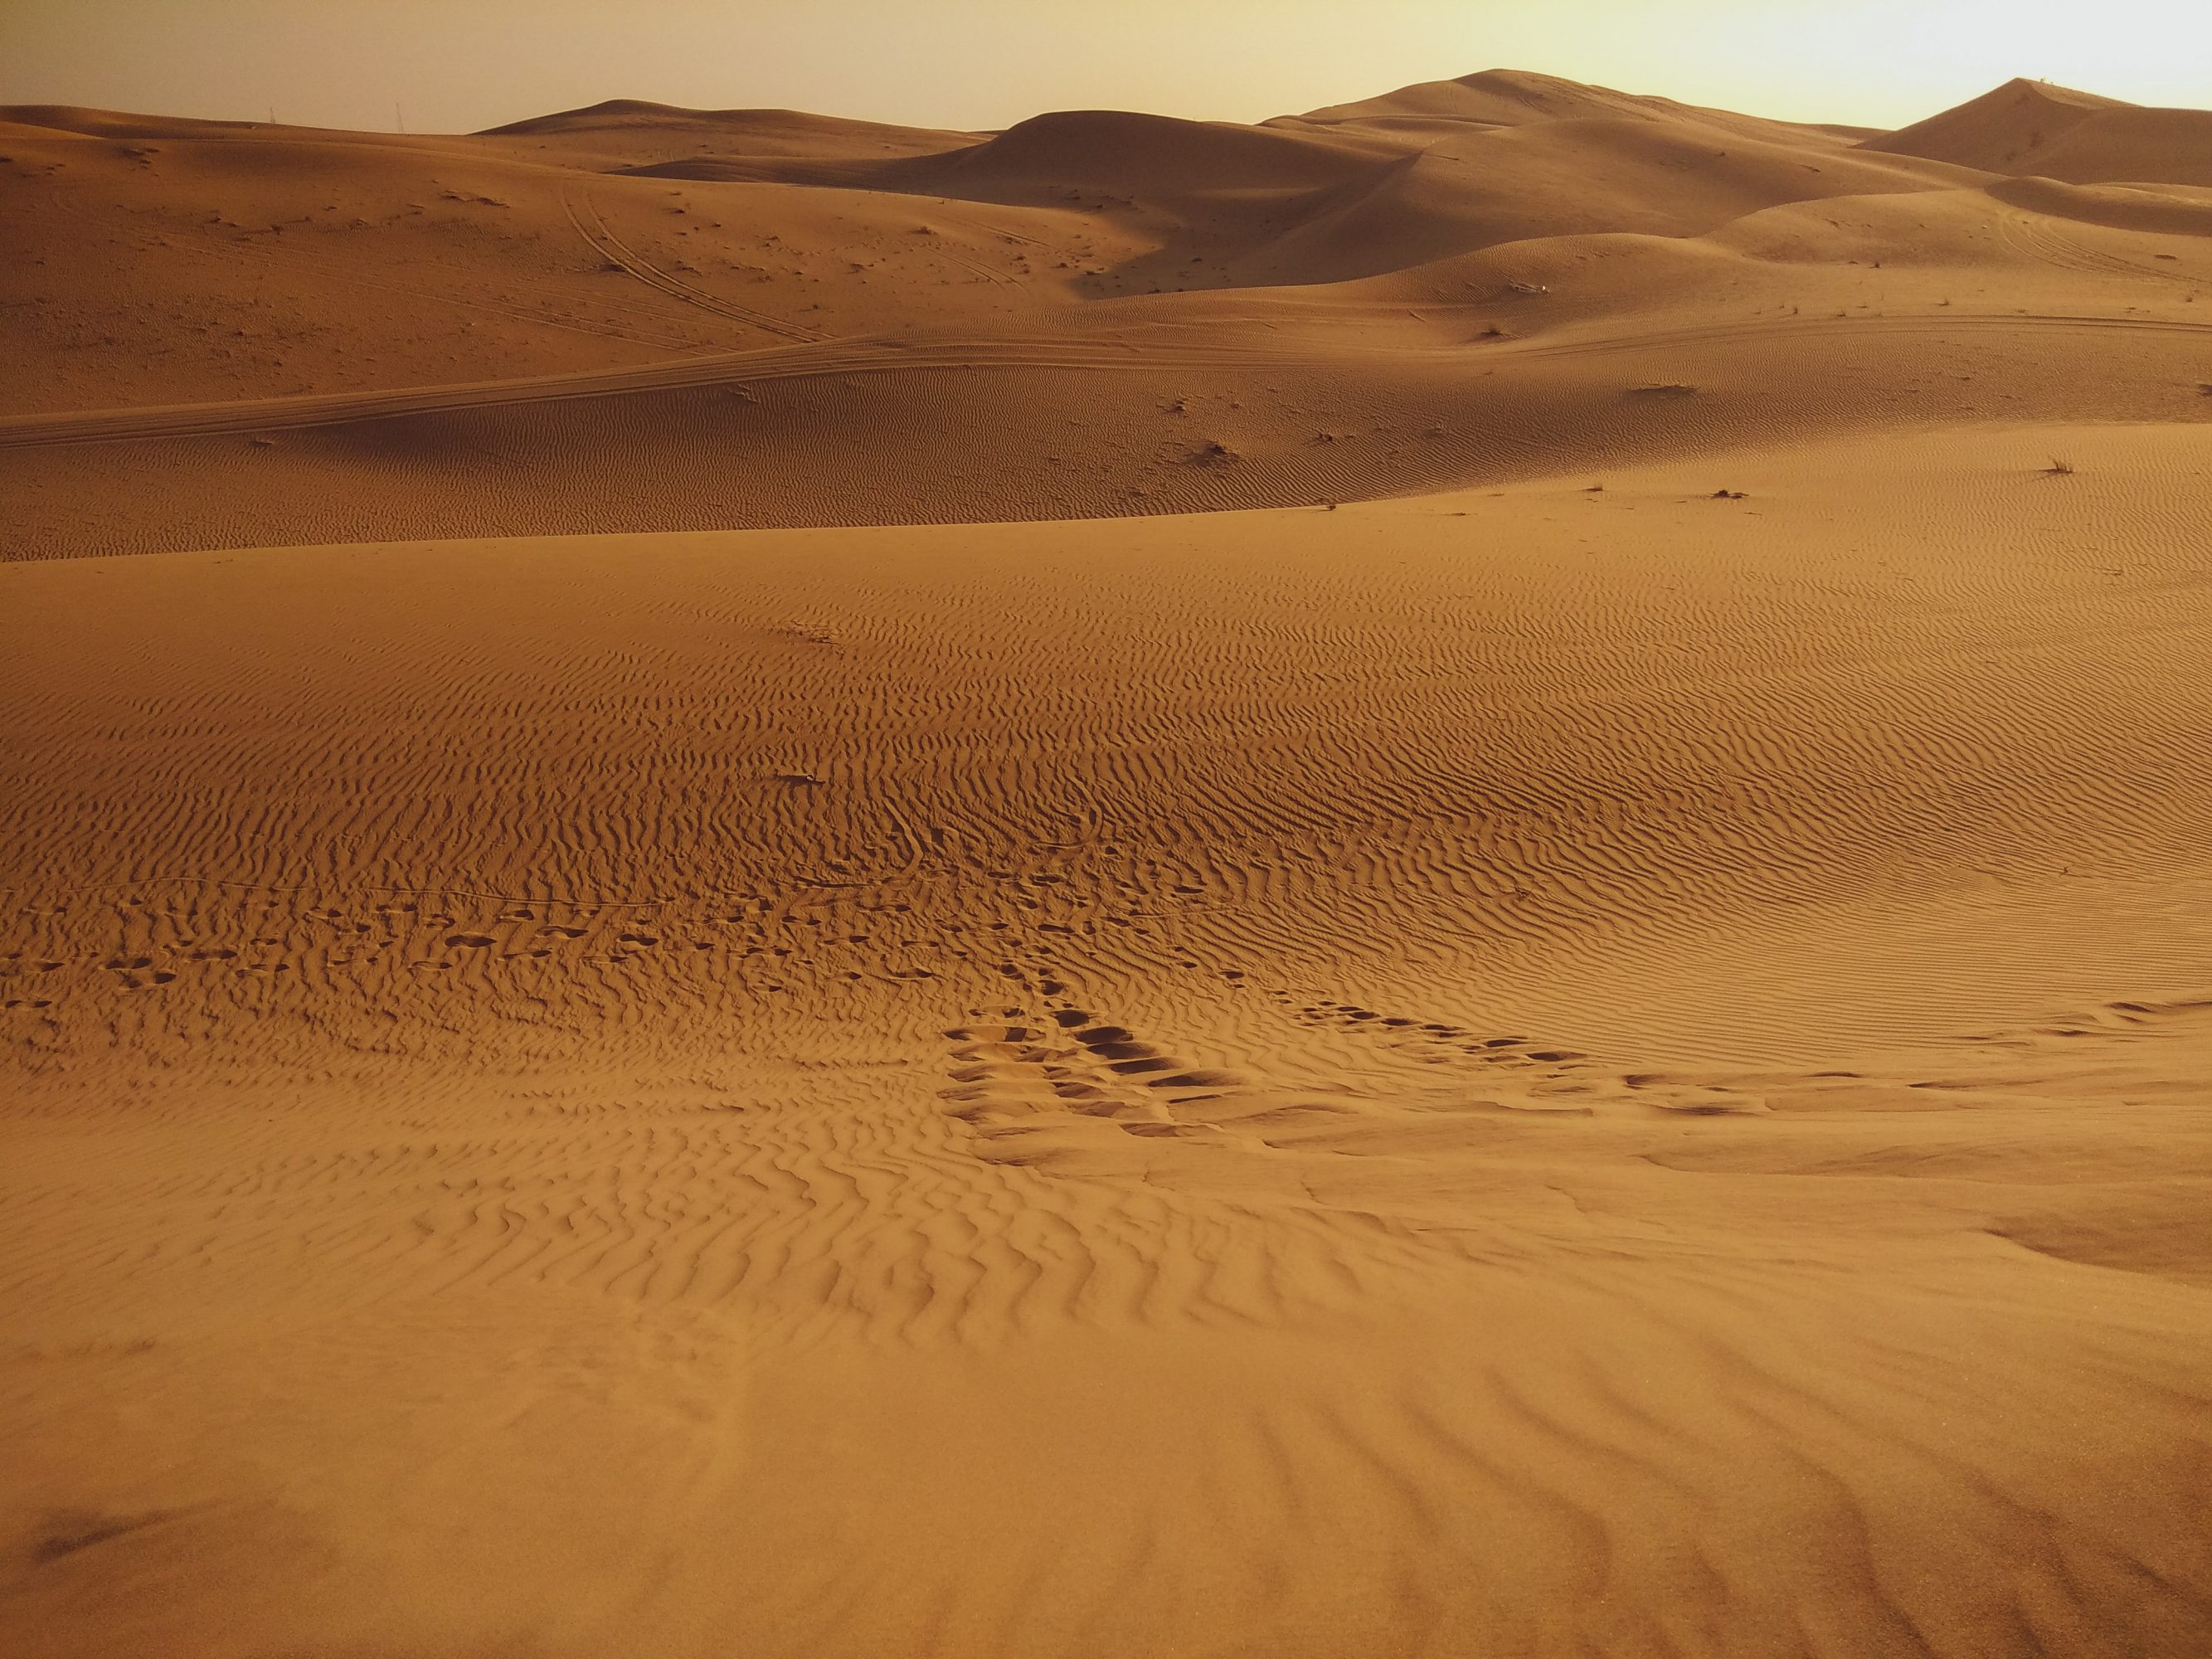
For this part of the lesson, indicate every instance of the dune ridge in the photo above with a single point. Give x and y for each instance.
(1262, 296)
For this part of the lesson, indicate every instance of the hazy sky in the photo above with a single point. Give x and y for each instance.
(457, 65)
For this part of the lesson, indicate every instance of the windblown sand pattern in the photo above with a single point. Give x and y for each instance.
(1433, 880)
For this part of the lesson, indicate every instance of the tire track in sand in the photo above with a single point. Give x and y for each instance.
(604, 242)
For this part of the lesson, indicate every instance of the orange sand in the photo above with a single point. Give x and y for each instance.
(1513, 1068)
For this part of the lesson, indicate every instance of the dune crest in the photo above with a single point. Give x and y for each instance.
(890, 325)
(2032, 127)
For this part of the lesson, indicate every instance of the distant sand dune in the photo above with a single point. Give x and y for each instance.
(2032, 128)
(1321, 308)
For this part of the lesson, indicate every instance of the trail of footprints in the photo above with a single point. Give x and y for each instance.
(1558, 1080)
(148, 944)
(1517, 1072)
(1008, 1063)
(1559, 1072)
(1040, 1055)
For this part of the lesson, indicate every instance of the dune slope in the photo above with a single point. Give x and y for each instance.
(1487, 1073)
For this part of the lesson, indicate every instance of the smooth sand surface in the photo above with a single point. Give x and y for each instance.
(1585, 1030)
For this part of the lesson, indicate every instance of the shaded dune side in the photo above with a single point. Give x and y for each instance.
(1210, 177)
(748, 131)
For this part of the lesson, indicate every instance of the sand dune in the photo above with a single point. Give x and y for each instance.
(1436, 879)
(778, 132)
(1159, 316)
(1515, 98)
(2031, 127)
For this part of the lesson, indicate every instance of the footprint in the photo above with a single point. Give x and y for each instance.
(1009, 1067)
(1546, 1073)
